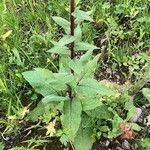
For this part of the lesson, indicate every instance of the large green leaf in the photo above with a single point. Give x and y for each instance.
(46, 83)
(84, 67)
(37, 112)
(83, 139)
(39, 79)
(90, 67)
(146, 93)
(86, 57)
(66, 39)
(54, 98)
(71, 118)
(60, 47)
(81, 16)
(57, 49)
(63, 23)
(92, 87)
(100, 112)
(89, 103)
(82, 46)
(78, 33)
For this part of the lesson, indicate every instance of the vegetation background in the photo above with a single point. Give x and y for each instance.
(121, 29)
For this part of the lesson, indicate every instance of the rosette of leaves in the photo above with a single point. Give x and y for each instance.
(73, 86)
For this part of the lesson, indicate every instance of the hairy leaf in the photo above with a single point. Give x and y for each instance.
(81, 16)
(92, 87)
(146, 93)
(86, 57)
(54, 98)
(57, 49)
(89, 103)
(100, 112)
(37, 112)
(82, 46)
(39, 80)
(84, 67)
(63, 23)
(60, 47)
(83, 139)
(46, 82)
(78, 33)
(71, 118)
(66, 39)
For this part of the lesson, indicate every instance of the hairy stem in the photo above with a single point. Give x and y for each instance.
(72, 26)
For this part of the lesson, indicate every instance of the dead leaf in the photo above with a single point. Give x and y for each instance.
(128, 133)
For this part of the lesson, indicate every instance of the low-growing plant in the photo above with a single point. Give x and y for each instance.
(72, 92)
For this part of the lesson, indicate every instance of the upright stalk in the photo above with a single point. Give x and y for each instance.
(72, 26)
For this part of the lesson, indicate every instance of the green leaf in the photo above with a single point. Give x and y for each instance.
(146, 93)
(63, 63)
(47, 83)
(39, 80)
(135, 126)
(91, 66)
(66, 39)
(87, 121)
(2, 7)
(78, 33)
(57, 49)
(146, 143)
(63, 23)
(148, 120)
(131, 110)
(54, 98)
(100, 112)
(37, 112)
(115, 124)
(44, 107)
(92, 87)
(81, 16)
(71, 118)
(2, 86)
(89, 103)
(86, 57)
(60, 47)
(77, 2)
(82, 46)
(1, 146)
(83, 139)
(84, 68)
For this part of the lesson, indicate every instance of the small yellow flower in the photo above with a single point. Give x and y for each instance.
(12, 117)
(25, 111)
(51, 128)
(7, 34)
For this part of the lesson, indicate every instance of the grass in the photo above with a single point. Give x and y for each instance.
(121, 30)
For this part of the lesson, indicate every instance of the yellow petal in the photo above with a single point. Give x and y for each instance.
(25, 111)
(13, 117)
(7, 34)
(51, 128)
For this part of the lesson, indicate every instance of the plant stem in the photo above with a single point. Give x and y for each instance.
(72, 26)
